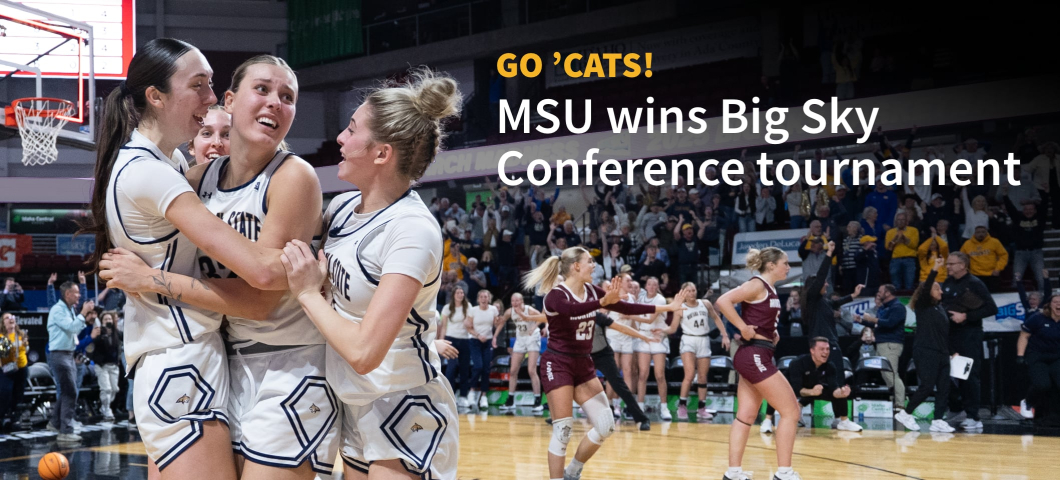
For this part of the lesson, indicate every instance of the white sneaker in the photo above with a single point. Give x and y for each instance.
(907, 420)
(664, 413)
(483, 402)
(1025, 410)
(941, 426)
(848, 426)
(68, 437)
(461, 402)
(970, 424)
(538, 408)
(739, 476)
(618, 411)
(767, 426)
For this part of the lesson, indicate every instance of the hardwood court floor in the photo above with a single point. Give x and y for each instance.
(499, 447)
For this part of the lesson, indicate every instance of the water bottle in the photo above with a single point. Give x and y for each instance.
(861, 417)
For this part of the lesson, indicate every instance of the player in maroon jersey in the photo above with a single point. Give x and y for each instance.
(759, 378)
(567, 370)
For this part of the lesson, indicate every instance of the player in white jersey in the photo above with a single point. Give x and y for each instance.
(283, 415)
(383, 251)
(527, 342)
(157, 258)
(657, 352)
(694, 320)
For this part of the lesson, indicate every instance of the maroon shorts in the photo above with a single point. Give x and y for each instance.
(754, 362)
(560, 370)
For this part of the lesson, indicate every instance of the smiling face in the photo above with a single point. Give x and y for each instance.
(263, 107)
(212, 140)
(356, 146)
(182, 110)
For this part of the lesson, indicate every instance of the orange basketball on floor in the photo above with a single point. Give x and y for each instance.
(53, 466)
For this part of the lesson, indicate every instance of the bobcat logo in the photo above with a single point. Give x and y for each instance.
(185, 399)
(314, 408)
(566, 432)
(416, 427)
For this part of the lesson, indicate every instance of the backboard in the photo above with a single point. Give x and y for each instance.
(59, 49)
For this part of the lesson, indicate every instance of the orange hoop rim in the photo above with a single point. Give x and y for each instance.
(45, 112)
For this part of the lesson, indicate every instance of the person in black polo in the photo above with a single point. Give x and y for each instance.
(967, 301)
(813, 377)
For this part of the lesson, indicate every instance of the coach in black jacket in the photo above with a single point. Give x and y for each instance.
(968, 302)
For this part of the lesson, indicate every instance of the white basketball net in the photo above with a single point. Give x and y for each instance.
(39, 121)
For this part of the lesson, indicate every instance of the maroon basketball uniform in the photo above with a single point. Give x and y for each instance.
(571, 324)
(754, 360)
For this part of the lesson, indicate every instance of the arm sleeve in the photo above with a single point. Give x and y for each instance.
(813, 291)
(1002, 255)
(156, 186)
(988, 307)
(894, 318)
(413, 248)
(603, 320)
(923, 292)
(557, 302)
(52, 299)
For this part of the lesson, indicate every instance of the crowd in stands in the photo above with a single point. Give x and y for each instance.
(84, 340)
(886, 239)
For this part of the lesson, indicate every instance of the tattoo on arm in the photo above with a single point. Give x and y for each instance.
(169, 290)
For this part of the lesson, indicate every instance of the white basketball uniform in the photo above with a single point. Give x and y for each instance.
(527, 333)
(173, 349)
(620, 342)
(282, 411)
(404, 409)
(658, 323)
(695, 325)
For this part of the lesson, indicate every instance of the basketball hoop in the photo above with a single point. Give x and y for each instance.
(39, 120)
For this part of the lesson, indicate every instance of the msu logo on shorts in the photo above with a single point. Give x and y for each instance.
(416, 427)
(314, 408)
(185, 399)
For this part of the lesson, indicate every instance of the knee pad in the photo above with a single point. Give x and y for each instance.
(561, 430)
(600, 416)
(701, 385)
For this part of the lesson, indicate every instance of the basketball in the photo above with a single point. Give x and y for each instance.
(53, 466)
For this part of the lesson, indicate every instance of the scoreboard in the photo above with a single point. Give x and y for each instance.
(113, 23)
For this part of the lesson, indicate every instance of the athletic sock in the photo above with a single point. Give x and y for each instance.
(511, 400)
(575, 468)
(683, 401)
(784, 473)
(537, 400)
(732, 472)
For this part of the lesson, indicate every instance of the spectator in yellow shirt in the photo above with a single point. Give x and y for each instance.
(903, 241)
(932, 247)
(454, 261)
(988, 257)
(14, 366)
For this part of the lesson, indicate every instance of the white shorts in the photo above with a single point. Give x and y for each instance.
(176, 389)
(419, 426)
(640, 346)
(620, 342)
(697, 345)
(282, 411)
(529, 343)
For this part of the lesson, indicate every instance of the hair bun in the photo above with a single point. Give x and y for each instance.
(434, 95)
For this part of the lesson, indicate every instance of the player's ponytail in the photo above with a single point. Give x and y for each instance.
(546, 276)
(152, 66)
(757, 260)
